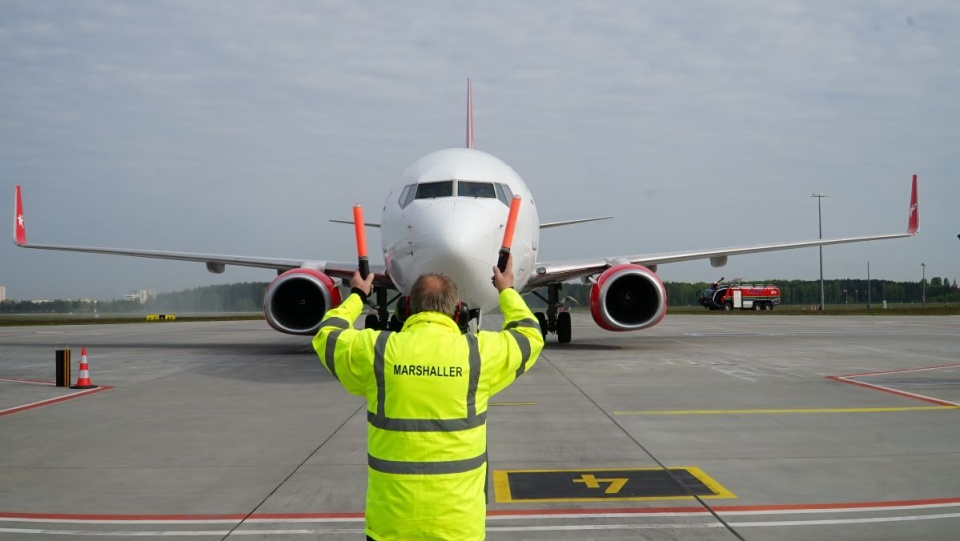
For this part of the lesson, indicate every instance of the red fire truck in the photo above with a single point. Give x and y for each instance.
(727, 296)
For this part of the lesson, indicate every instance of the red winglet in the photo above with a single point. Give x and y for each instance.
(19, 231)
(913, 225)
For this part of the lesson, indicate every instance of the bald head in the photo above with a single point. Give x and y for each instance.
(434, 293)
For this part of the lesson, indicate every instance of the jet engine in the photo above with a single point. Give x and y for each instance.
(628, 298)
(296, 301)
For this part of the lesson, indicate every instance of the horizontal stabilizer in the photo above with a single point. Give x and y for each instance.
(569, 222)
(366, 224)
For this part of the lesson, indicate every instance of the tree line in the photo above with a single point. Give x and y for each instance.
(801, 292)
(239, 297)
(248, 296)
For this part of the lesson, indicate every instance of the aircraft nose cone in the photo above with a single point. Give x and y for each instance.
(458, 237)
(458, 234)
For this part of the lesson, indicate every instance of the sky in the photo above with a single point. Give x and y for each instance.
(241, 127)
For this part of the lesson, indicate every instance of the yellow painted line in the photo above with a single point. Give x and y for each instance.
(710, 483)
(513, 403)
(783, 411)
(501, 487)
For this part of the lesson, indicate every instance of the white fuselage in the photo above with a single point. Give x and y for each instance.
(447, 214)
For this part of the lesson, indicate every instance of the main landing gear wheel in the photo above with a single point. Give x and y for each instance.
(564, 328)
(542, 321)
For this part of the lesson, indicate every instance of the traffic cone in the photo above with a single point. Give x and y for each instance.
(83, 381)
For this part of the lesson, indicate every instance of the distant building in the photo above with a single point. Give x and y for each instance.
(3, 293)
(141, 295)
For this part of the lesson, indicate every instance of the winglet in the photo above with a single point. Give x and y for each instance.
(913, 224)
(469, 113)
(19, 231)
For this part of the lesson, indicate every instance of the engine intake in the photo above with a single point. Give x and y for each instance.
(296, 301)
(628, 298)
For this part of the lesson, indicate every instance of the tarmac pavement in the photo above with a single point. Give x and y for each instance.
(722, 426)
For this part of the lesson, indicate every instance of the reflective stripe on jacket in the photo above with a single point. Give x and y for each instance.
(427, 390)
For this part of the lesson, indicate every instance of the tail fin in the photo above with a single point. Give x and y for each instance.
(913, 224)
(469, 113)
(19, 231)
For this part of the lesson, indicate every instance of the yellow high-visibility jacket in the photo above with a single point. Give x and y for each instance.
(427, 389)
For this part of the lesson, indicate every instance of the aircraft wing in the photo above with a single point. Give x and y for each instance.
(215, 262)
(548, 272)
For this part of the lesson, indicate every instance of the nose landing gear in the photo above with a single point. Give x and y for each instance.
(557, 319)
(383, 320)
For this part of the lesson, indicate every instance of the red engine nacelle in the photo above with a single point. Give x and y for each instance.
(296, 301)
(628, 298)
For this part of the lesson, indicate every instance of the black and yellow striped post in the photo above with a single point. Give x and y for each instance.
(63, 368)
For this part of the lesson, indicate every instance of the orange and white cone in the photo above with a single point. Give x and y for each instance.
(83, 381)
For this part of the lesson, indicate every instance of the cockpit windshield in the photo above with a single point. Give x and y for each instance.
(464, 188)
(430, 190)
(475, 189)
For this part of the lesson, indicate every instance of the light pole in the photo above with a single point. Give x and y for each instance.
(923, 284)
(820, 197)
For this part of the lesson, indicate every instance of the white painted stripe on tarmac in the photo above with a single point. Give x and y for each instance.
(531, 516)
(544, 528)
(841, 521)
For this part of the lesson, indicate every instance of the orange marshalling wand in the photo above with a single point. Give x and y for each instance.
(508, 233)
(361, 241)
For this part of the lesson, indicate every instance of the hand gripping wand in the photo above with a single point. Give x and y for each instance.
(508, 233)
(364, 262)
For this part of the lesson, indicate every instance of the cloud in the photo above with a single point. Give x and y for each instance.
(242, 126)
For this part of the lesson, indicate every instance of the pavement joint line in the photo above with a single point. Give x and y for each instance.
(787, 411)
(659, 463)
(30, 381)
(252, 512)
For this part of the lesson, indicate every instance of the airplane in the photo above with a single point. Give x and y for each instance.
(446, 213)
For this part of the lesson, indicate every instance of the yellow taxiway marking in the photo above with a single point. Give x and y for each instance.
(513, 403)
(591, 481)
(594, 484)
(783, 411)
